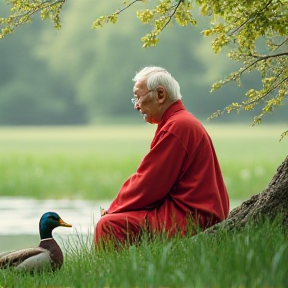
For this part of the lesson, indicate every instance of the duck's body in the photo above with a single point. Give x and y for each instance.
(48, 254)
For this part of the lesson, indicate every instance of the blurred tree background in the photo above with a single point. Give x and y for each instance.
(79, 75)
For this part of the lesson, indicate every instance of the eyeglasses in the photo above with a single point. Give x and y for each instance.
(135, 100)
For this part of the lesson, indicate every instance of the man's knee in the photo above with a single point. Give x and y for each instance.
(110, 227)
(120, 227)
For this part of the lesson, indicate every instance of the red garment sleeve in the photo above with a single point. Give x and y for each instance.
(154, 178)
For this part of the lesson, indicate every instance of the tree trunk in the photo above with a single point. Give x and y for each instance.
(270, 203)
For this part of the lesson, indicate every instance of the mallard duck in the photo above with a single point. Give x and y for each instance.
(48, 254)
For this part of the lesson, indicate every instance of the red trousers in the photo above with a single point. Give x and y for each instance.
(127, 227)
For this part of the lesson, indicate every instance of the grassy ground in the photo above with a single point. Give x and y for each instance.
(93, 162)
(256, 257)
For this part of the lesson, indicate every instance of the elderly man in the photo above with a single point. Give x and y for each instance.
(178, 186)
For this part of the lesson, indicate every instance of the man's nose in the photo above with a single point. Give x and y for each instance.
(136, 106)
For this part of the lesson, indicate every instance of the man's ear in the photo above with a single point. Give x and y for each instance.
(161, 94)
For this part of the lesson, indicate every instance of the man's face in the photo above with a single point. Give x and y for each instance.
(147, 104)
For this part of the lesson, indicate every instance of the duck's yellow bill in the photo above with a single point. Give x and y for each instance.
(62, 223)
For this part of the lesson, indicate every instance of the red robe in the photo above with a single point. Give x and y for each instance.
(178, 180)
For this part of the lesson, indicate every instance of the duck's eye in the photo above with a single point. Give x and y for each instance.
(53, 218)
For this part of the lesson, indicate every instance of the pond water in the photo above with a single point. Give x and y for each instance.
(19, 220)
(22, 215)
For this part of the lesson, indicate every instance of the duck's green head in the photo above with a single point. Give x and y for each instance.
(48, 222)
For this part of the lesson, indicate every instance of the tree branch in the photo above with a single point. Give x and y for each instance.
(37, 8)
(270, 56)
(280, 45)
(171, 16)
(267, 93)
(252, 17)
(263, 58)
(130, 4)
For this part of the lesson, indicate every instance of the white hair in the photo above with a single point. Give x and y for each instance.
(156, 76)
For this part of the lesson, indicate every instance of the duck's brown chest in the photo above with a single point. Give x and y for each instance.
(56, 254)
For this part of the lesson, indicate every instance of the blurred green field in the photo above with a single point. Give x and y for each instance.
(92, 162)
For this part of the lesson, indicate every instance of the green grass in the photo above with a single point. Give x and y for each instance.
(93, 162)
(256, 257)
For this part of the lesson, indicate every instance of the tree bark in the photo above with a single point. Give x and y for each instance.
(268, 204)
